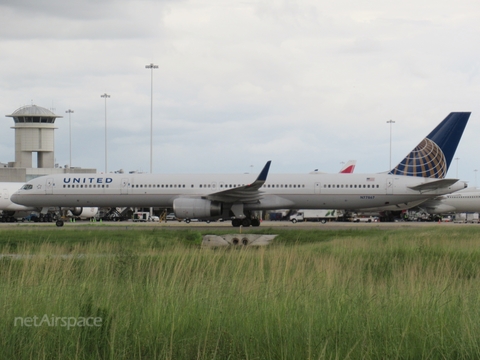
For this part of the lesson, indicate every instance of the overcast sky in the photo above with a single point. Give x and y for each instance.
(306, 84)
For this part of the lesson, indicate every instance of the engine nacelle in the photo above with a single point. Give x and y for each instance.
(76, 211)
(185, 208)
(83, 212)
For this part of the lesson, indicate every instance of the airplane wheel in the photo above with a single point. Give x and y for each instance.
(255, 222)
(59, 223)
(236, 222)
(246, 222)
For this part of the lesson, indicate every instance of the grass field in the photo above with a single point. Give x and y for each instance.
(314, 294)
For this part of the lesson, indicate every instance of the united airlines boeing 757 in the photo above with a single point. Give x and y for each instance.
(420, 176)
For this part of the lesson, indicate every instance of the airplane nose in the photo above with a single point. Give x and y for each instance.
(15, 198)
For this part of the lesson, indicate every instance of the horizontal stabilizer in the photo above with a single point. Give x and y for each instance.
(434, 185)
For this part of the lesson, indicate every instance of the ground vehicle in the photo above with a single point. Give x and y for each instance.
(196, 220)
(144, 216)
(467, 218)
(314, 215)
(364, 219)
(140, 216)
(170, 217)
(279, 215)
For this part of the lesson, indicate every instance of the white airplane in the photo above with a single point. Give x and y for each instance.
(418, 177)
(467, 200)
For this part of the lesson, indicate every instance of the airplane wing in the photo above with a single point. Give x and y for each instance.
(247, 194)
(434, 185)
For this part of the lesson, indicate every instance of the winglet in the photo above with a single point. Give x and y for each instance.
(432, 157)
(262, 177)
(245, 193)
(264, 173)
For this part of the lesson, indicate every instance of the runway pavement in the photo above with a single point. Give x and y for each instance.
(227, 225)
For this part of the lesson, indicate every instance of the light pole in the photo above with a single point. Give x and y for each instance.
(390, 122)
(151, 67)
(70, 112)
(457, 165)
(106, 96)
(475, 177)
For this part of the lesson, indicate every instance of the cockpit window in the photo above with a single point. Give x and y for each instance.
(27, 187)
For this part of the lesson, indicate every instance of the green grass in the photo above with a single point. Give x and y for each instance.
(374, 294)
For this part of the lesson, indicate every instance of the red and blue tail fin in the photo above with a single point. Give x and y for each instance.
(432, 157)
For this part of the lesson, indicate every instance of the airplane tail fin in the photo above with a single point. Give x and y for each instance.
(432, 157)
(348, 167)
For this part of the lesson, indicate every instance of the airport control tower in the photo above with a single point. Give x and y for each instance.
(34, 132)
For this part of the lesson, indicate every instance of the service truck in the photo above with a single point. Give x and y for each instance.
(314, 215)
(141, 216)
(466, 218)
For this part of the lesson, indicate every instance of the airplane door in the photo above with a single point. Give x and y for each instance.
(49, 186)
(317, 188)
(389, 186)
(124, 186)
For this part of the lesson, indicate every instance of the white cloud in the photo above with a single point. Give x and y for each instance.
(306, 84)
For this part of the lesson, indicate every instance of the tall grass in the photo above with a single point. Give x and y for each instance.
(405, 294)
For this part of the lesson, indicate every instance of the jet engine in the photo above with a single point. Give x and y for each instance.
(185, 208)
(83, 212)
(76, 211)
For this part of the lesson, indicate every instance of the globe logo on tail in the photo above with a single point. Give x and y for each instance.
(426, 160)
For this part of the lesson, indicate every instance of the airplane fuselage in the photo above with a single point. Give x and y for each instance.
(462, 201)
(305, 191)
